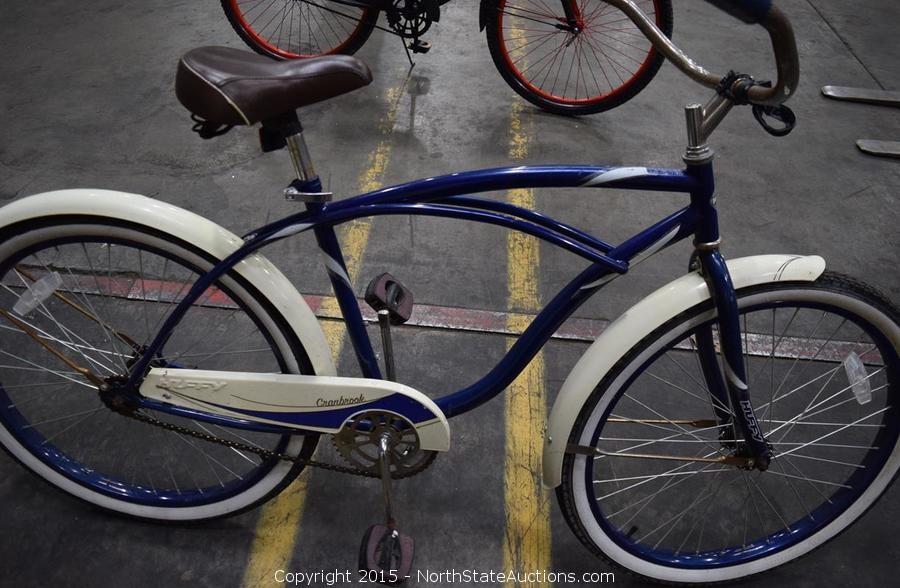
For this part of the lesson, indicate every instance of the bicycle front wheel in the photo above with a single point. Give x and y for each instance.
(822, 360)
(293, 29)
(597, 66)
(97, 290)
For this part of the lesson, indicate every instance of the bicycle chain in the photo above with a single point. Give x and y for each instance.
(265, 453)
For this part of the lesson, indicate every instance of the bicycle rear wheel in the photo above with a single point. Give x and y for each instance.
(292, 29)
(96, 290)
(822, 360)
(605, 63)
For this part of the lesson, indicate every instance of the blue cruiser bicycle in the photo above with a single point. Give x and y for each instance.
(156, 365)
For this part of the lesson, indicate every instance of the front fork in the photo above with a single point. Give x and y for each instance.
(730, 394)
(573, 14)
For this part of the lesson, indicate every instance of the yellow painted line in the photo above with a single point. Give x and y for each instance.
(526, 544)
(279, 522)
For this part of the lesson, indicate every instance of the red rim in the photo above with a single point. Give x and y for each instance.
(276, 50)
(615, 91)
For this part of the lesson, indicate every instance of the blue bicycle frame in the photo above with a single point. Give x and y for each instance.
(449, 196)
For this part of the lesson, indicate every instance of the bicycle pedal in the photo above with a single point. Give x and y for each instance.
(420, 46)
(387, 554)
(384, 292)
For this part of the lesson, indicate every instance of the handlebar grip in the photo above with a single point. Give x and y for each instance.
(749, 11)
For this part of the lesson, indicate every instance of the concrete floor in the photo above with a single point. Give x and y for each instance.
(86, 93)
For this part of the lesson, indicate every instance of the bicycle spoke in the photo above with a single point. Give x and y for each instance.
(810, 480)
(674, 520)
(64, 417)
(691, 394)
(236, 451)
(71, 426)
(806, 412)
(36, 367)
(702, 516)
(832, 433)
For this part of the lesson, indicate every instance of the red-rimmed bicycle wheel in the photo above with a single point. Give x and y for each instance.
(293, 29)
(602, 64)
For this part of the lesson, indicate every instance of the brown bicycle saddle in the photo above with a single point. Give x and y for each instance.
(233, 87)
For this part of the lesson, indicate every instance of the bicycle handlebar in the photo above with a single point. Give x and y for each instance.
(761, 12)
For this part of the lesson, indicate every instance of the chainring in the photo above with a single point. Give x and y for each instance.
(358, 444)
(409, 18)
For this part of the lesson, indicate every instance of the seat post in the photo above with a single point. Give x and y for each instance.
(286, 131)
(300, 156)
(307, 187)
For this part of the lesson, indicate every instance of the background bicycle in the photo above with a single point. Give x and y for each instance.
(566, 56)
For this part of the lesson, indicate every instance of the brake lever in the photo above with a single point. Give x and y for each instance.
(780, 113)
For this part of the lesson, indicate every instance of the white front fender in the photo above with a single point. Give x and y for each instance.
(194, 229)
(641, 320)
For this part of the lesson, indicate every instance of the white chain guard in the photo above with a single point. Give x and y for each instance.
(314, 403)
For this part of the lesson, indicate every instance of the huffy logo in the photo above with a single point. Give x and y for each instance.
(751, 421)
(176, 384)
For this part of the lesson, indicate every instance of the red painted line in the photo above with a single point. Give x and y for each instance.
(429, 316)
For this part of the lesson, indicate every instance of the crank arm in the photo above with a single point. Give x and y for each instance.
(384, 456)
(88, 374)
(723, 459)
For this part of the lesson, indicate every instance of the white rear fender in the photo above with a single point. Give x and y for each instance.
(641, 320)
(197, 231)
